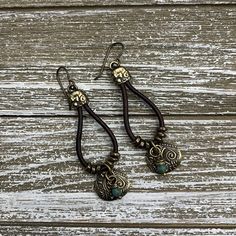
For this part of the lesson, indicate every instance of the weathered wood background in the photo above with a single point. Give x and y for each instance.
(181, 54)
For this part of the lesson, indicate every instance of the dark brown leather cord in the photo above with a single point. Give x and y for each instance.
(126, 112)
(87, 165)
(148, 102)
(79, 137)
(104, 126)
(126, 107)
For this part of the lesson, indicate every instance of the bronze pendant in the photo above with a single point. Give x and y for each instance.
(111, 185)
(163, 157)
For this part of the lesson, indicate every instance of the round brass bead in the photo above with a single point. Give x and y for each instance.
(162, 129)
(93, 169)
(161, 135)
(115, 155)
(142, 143)
(137, 140)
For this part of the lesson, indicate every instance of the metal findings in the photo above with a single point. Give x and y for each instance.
(76, 97)
(162, 158)
(120, 73)
(115, 63)
(111, 185)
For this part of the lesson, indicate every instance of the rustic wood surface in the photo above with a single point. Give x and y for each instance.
(68, 231)
(180, 53)
(183, 58)
(104, 3)
(36, 161)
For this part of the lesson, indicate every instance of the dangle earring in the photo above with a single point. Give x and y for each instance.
(161, 157)
(110, 184)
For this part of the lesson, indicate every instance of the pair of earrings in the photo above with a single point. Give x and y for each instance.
(161, 157)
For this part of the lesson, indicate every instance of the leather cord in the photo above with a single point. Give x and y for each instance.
(126, 107)
(104, 126)
(79, 137)
(92, 168)
(148, 102)
(126, 112)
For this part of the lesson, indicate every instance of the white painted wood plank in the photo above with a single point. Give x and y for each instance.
(32, 97)
(56, 3)
(182, 58)
(39, 154)
(135, 207)
(41, 179)
(69, 231)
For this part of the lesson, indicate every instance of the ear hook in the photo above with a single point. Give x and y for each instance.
(107, 54)
(70, 86)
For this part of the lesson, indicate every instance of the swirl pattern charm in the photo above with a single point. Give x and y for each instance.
(163, 158)
(111, 185)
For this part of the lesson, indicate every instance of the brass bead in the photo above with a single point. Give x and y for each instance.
(161, 135)
(162, 129)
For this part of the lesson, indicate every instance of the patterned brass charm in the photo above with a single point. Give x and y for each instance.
(163, 158)
(78, 98)
(111, 185)
(121, 75)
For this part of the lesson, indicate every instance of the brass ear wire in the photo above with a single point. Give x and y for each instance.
(117, 60)
(70, 86)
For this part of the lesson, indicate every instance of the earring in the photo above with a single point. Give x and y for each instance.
(161, 157)
(109, 184)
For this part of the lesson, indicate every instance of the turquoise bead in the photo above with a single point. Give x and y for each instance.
(116, 192)
(161, 168)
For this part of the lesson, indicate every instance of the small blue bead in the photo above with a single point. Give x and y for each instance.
(116, 192)
(161, 168)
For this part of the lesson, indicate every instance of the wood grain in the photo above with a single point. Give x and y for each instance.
(95, 3)
(180, 53)
(69, 231)
(39, 154)
(182, 58)
(212, 207)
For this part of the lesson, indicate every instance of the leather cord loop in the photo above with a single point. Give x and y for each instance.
(92, 168)
(126, 109)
